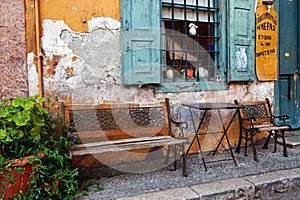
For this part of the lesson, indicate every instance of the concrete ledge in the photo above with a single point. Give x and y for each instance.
(293, 142)
(236, 188)
(271, 182)
(174, 194)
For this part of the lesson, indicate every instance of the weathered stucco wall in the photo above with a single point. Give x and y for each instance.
(82, 64)
(86, 66)
(82, 58)
(13, 73)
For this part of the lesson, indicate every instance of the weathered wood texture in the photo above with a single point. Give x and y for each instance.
(13, 72)
(119, 128)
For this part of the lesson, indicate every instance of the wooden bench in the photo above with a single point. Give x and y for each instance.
(255, 117)
(115, 127)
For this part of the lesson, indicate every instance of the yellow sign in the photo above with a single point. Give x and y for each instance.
(266, 43)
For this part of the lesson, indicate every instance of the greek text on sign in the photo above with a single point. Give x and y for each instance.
(266, 44)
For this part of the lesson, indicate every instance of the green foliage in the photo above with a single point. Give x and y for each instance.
(27, 128)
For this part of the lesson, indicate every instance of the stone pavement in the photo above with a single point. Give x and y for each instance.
(274, 173)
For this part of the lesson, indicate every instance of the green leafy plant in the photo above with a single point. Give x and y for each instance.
(29, 129)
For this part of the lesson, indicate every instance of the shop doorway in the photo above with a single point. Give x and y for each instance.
(289, 59)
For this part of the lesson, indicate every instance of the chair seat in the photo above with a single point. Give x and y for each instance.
(273, 128)
(268, 127)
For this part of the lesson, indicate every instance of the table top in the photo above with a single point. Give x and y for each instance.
(211, 106)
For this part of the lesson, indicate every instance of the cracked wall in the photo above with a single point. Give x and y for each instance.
(85, 67)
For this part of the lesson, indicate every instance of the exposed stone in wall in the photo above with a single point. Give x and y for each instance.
(13, 73)
(84, 67)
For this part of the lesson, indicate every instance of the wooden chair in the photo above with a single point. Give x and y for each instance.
(255, 117)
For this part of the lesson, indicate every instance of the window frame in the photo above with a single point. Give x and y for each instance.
(204, 85)
(233, 37)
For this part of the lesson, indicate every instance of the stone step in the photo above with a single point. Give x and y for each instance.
(292, 133)
(293, 141)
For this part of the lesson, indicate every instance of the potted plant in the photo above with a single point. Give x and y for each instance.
(34, 158)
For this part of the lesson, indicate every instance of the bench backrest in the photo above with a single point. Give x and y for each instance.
(117, 121)
(260, 111)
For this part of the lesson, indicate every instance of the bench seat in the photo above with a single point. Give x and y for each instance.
(124, 145)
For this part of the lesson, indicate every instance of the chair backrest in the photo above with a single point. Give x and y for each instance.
(260, 111)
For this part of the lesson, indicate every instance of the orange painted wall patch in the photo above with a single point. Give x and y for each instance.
(77, 13)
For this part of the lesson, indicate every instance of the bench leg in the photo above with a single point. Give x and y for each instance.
(184, 173)
(177, 149)
(174, 150)
(167, 155)
(175, 156)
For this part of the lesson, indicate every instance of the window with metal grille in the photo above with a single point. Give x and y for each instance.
(187, 45)
(190, 40)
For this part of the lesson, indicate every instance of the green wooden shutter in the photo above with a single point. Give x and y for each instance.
(241, 28)
(141, 41)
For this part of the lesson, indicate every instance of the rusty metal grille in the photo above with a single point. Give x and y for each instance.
(117, 118)
(258, 111)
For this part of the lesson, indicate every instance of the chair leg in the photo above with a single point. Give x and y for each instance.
(254, 150)
(268, 140)
(246, 143)
(284, 145)
(275, 142)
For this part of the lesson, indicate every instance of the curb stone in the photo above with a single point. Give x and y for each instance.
(275, 182)
(248, 187)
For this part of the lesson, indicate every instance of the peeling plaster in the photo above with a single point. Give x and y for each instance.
(80, 65)
(51, 42)
(103, 22)
(88, 69)
(33, 84)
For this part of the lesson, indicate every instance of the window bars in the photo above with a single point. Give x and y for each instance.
(190, 40)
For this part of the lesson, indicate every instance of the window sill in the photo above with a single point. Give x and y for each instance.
(191, 87)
